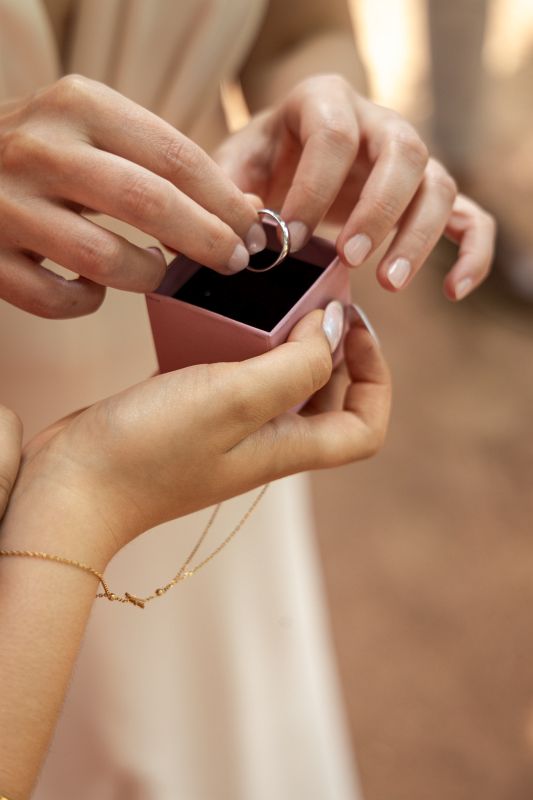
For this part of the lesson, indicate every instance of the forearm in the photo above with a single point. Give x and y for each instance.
(268, 79)
(44, 608)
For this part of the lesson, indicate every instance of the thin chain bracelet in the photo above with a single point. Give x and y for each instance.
(183, 572)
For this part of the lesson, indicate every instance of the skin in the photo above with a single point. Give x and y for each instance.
(78, 145)
(321, 153)
(327, 153)
(233, 430)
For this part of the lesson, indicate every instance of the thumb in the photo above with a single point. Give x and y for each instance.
(286, 376)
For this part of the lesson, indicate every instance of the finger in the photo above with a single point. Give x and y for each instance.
(10, 450)
(420, 228)
(326, 127)
(294, 443)
(145, 139)
(254, 391)
(246, 156)
(126, 191)
(474, 230)
(90, 250)
(400, 160)
(331, 396)
(31, 287)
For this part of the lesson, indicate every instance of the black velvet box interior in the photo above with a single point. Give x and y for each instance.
(254, 298)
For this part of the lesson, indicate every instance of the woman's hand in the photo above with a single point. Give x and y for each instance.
(79, 145)
(327, 152)
(185, 440)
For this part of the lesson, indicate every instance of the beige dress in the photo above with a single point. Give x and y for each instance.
(226, 687)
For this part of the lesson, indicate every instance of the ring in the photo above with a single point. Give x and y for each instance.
(285, 238)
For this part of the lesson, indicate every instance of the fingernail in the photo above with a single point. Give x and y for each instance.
(256, 239)
(240, 258)
(299, 234)
(333, 324)
(463, 288)
(399, 272)
(356, 314)
(357, 248)
(158, 252)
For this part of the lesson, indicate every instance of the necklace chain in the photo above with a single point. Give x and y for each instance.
(185, 571)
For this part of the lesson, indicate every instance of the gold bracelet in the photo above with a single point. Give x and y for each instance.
(184, 571)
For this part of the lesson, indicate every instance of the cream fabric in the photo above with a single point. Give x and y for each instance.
(225, 688)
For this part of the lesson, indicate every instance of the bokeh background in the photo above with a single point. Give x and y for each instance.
(428, 550)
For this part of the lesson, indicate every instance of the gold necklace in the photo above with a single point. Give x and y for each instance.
(184, 571)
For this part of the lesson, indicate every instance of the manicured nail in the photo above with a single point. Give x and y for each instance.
(240, 259)
(256, 239)
(399, 272)
(158, 252)
(299, 234)
(333, 324)
(357, 248)
(463, 288)
(357, 315)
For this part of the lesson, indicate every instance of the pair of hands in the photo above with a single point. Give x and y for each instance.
(324, 153)
(182, 441)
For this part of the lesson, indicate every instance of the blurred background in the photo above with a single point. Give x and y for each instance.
(428, 550)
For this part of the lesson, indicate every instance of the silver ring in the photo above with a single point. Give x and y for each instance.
(285, 238)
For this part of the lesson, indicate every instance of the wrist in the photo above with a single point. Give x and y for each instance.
(51, 518)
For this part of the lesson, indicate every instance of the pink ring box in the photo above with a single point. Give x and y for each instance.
(198, 316)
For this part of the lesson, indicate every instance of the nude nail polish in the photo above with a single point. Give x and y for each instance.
(240, 258)
(399, 272)
(256, 239)
(333, 324)
(357, 248)
(299, 234)
(463, 288)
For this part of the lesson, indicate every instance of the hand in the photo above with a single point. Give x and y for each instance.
(326, 152)
(185, 440)
(79, 145)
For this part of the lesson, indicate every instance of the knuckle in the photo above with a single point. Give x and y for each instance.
(68, 92)
(98, 256)
(330, 80)
(340, 135)
(438, 177)
(216, 241)
(489, 220)
(180, 156)
(312, 194)
(18, 148)
(236, 390)
(142, 200)
(385, 207)
(405, 139)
